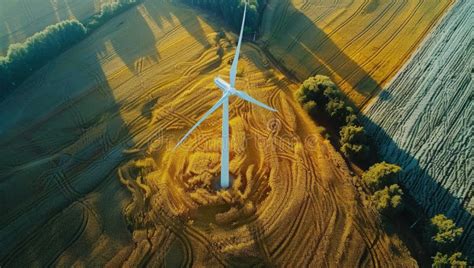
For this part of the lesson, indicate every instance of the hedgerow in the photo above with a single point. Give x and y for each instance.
(22, 59)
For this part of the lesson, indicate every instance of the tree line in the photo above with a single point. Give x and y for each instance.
(440, 234)
(22, 59)
(322, 99)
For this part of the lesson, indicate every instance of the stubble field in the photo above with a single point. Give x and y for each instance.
(360, 44)
(90, 175)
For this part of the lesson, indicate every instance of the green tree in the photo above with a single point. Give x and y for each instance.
(318, 95)
(440, 260)
(388, 200)
(354, 142)
(329, 99)
(443, 260)
(309, 91)
(107, 11)
(444, 232)
(310, 107)
(381, 175)
(339, 111)
(319, 89)
(336, 109)
(351, 118)
(457, 260)
(331, 92)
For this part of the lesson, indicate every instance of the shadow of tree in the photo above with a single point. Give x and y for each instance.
(64, 137)
(54, 174)
(412, 173)
(149, 15)
(309, 44)
(133, 53)
(188, 20)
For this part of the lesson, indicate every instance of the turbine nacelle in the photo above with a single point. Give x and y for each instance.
(224, 86)
(228, 91)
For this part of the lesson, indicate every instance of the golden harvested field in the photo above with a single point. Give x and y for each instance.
(90, 176)
(360, 44)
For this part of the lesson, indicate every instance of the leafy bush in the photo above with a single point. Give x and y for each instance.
(107, 11)
(442, 235)
(232, 11)
(440, 260)
(314, 88)
(457, 260)
(354, 143)
(443, 231)
(443, 260)
(310, 106)
(329, 100)
(24, 58)
(352, 120)
(337, 109)
(389, 199)
(380, 175)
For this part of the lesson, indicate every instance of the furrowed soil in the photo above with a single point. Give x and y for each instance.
(360, 44)
(431, 134)
(89, 174)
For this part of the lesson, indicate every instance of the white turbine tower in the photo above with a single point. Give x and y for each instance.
(227, 90)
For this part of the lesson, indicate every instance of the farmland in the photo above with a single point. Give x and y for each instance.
(360, 44)
(90, 170)
(431, 133)
(91, 176)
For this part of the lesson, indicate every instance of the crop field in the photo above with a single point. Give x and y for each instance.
(90, 174)
(360, 44)
(23, 18)
(431, 133)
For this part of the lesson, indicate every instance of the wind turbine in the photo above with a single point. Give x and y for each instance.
(228, 89)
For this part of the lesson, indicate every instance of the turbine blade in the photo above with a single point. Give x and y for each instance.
(248, 98)
(206, 115)
(233, 69)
